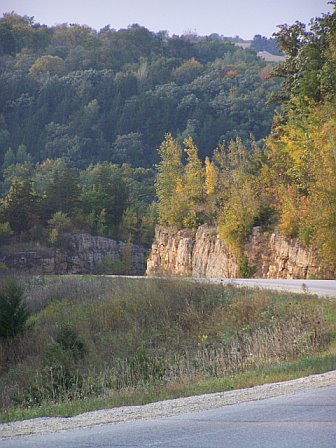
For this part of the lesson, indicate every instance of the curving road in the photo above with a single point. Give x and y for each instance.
(302, 420)
(318, 287)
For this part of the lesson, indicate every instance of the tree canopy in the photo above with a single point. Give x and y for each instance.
(86, 96)
(290, 181)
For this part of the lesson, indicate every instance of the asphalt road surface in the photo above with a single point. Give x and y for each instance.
(303, 420)
(319, 287)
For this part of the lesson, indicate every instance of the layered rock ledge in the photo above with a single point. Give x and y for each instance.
(82, 254)
(201, 253)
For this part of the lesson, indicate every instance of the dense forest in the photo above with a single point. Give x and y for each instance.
(290, 182)
(82, 114)
(86, 96)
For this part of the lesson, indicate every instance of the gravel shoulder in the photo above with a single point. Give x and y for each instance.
(165, 408)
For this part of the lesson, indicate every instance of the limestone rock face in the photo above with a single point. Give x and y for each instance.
(288, 259)
(201, 253)
(81, 256)
(171, 252)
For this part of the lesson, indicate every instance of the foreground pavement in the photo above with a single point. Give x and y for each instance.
(300, 420)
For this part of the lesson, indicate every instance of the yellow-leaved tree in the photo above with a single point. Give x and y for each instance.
(211, 184)
(304, 185)
(169, 182)
(193, 186)
(240, 206)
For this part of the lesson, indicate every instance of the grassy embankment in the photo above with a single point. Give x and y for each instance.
(94, 342)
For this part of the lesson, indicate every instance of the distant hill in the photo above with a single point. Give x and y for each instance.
(71, 92)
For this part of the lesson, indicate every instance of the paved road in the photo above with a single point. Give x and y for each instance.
(303, 420)
(319, 287)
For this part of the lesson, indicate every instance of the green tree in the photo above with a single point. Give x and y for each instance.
(301, 155)
(20, 205)
(309, 68)
(9, 159)
(62, 194)
(128, 148)
(5, 231)
(15, 33)
(60, 227)
(105, 197)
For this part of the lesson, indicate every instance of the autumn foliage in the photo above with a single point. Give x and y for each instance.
(290, 180)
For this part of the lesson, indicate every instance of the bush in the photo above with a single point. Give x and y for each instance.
(119, 266)
(108, 265)
(246, 270)
(13, 310)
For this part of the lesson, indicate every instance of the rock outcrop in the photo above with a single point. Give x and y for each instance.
(82, 255)
(201, 253)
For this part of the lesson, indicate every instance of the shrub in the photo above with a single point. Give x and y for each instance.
(108, 265)
(246, 270)
(13, 310)
(60, 377)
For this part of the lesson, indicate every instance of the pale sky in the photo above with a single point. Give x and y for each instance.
(226, 17)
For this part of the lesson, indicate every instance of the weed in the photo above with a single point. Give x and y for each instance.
(95, 338)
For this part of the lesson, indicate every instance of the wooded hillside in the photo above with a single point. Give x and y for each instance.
(83, 113)
(86, 96)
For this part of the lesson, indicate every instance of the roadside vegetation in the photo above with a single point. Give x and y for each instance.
(84, 343)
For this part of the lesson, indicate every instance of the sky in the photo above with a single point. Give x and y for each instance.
(225, 17)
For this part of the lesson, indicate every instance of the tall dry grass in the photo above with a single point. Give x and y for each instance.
(92, 335)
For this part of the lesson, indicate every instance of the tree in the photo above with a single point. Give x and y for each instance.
(169, 180)
(301, 165)
(20, 205)
(193, 186)
(60, 226)
(46, 66)
(44, 173)
(9, 159)
(309, 68)
(62, 193)
(60, 143)
(240, 203)
(262, 43)
(211, 182)
(105, 197)
(128, 148)
(15, 33)
(302, 175)
(188, 71)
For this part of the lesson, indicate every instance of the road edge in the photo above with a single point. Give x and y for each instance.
(165, 408)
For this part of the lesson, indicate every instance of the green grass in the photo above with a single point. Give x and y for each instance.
(94, 343)
(183, 388)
